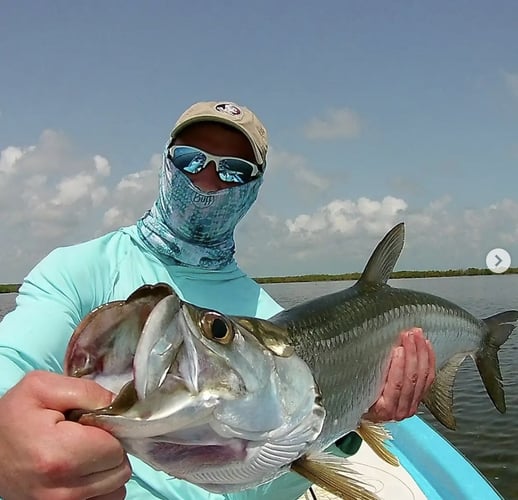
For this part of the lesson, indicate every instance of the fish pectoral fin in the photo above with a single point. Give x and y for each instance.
(375, 436)
(333, 474)
(439, 398)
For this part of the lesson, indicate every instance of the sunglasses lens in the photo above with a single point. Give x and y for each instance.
(235, 170)
(188, 159)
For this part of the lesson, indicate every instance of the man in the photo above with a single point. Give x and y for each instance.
(212, 169)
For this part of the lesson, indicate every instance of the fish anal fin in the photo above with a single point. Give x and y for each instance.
(439, 399)
(333, 474)
(384, 258)
(375, 436)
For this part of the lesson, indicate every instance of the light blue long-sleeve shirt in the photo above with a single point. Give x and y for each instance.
(71, 281)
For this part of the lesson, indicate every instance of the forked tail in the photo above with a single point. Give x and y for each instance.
(439, 399)
(500, 327)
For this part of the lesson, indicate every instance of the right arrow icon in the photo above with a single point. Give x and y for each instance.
(498, 260)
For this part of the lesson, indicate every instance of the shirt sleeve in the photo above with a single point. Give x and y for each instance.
(51, 302)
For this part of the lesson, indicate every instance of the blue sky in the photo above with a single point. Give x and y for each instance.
(377, 112)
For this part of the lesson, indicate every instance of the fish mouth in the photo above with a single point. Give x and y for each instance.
(178, 381)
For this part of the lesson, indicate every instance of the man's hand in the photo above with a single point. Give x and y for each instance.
(410, 375)
(43, 456)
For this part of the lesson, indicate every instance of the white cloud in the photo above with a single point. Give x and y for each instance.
(346, 216)
(51, 196)
(133, 195)
(339, 236)
(72, 189)
(8, 157)
(102, 165)
(337, 124)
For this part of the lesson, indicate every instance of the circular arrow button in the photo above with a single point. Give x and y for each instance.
(498, 260)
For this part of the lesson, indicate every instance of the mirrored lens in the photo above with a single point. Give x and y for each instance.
(235, 170)
(188, 159)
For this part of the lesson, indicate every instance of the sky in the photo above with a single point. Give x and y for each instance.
(377, 112)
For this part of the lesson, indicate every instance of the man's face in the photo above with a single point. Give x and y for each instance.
(218, 140)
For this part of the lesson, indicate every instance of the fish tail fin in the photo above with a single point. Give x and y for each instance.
(500, 326)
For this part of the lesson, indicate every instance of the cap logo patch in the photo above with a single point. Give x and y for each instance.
(229, 108)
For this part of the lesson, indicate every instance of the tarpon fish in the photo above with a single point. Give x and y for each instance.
(230, 402)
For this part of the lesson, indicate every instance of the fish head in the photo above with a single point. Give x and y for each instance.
(221, 401)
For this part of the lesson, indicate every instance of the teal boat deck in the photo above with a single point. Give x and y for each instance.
(431, 468)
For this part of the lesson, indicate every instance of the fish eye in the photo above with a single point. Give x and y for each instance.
(216, 327)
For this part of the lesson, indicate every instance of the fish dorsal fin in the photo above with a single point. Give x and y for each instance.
(333, 474)
(439, 398)
(271, 336)
(375, 436)
(384, 258)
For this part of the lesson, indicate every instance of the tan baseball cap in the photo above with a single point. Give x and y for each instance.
(231, 114)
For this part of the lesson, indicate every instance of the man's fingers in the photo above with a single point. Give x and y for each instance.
(410, 375)
(61, 393)
(101, 451)
(386, 406)
(104, 484)
(55, 458)
(423, 369)
(431, 360)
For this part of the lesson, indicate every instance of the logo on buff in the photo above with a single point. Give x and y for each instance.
(202, 200)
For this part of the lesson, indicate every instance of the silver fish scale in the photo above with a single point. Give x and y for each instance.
(346, 339)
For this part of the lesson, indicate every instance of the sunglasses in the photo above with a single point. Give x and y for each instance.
(193, 160)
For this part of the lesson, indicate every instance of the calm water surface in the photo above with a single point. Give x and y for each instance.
(487, 438)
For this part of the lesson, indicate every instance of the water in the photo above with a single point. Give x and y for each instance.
(487, 438)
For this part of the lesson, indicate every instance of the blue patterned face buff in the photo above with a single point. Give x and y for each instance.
(194, 227)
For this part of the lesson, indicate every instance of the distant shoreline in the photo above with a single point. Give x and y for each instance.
(472, 271)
